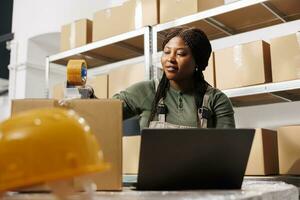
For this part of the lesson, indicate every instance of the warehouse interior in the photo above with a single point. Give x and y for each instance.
(255, 62)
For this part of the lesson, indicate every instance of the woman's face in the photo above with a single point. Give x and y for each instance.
(177, 60)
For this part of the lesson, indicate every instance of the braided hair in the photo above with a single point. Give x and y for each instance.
(201, 49)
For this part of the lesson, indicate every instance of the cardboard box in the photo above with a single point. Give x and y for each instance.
(289, 150)
(76, 34)
(131, 154)
(105, 120)
(150, 12)
(209, 72)
(263, 159)
(285, 63)
(243, 65)
(98, 83)
(174, 9)
(123, 77)
(131, 15)
(208, 4)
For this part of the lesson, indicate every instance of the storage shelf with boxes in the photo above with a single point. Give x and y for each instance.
(112, 41)
(101, 42)
(225, 18)
(219, 20)
(273, 78)
(286, 91)
(111, 50)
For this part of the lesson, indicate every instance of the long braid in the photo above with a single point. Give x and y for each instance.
(200, 88)
(161, 92)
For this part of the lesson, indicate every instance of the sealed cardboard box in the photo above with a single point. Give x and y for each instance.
(131, 153)
(99, 83)
(150, 12)
(123, 77)
(208, 4)
(131, 15)
(174, 9)
(209, 72)
(289, 150)
(76, 34)
(263, 159)
(58, 91)
(285, 64)
(243, 65)
(105, 120)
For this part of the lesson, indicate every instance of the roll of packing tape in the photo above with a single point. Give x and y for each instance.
(76, 72)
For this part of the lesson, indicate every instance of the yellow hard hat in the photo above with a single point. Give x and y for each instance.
(45, 145)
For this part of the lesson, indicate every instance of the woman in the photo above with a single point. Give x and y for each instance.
(182, 98)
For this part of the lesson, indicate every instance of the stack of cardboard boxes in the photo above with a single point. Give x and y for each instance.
(289, 150)
(106, 86)
(133, 14)
(258, 62)
(285, 55)
(243, 65)
(76, 34)
(263, 158)
(239, 66)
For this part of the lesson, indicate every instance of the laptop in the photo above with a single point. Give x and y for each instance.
(180, 159)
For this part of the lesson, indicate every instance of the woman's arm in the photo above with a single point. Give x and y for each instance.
(223, 111)
(134, 97)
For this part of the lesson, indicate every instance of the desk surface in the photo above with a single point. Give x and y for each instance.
(251, 190)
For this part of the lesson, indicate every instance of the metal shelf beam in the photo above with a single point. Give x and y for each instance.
(98, 44)
(118, 40)
(262, 89)
(274, 11)
(151, 54)
(129, 47)
(218, 25)
(207, 14)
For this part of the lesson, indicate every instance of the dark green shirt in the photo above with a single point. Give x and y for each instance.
(138, 100)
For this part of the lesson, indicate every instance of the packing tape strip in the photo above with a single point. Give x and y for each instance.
(238, 56)
(138, 17)
(76, 72)
(298, 38)
(73, 36)
(297, 57)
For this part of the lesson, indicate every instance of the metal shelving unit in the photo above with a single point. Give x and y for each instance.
(108, 51)
(286, 91)
(234, 18)
(230, 19)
